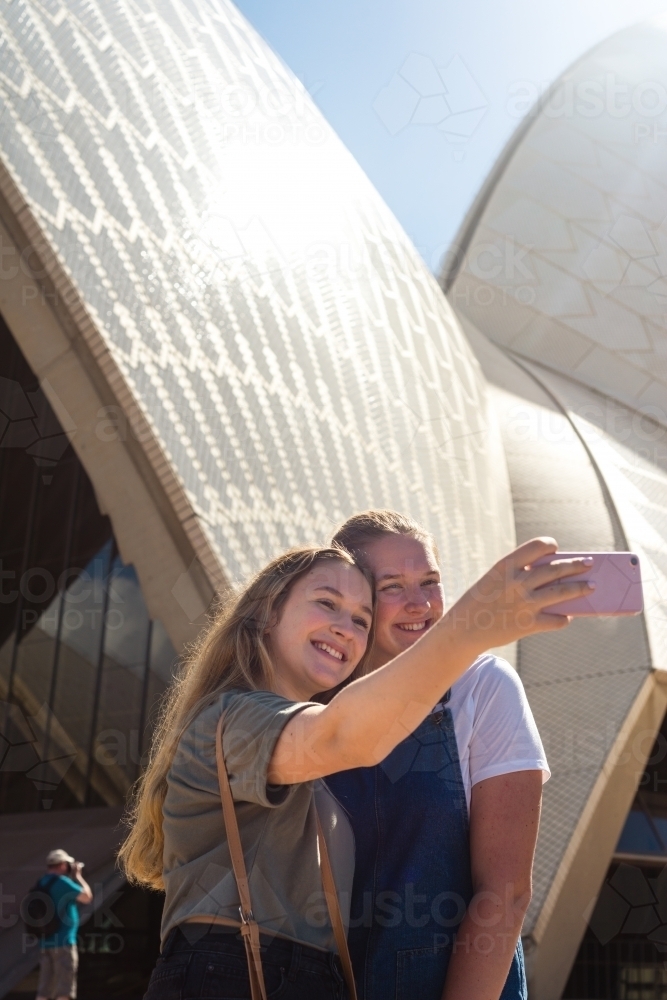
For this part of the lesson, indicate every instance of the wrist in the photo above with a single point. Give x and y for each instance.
(462, 635)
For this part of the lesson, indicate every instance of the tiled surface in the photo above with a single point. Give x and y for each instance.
(631, 454)
(567, 264)
(294, 359)
(581, 682)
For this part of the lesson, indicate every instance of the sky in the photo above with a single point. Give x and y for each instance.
(378, 69)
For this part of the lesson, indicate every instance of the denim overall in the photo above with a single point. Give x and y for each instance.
(412, 882)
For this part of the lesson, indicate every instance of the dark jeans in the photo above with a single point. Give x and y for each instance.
(211, 963)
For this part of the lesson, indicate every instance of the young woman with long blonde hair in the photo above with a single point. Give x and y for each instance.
(302, 626)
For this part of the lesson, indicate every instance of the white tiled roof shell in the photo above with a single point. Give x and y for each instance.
(294, 358)
(570, 232)
(631, 455)
(564, 262)
(580, 682)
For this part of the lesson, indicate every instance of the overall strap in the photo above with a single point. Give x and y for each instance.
(335, 916)
(249, 926)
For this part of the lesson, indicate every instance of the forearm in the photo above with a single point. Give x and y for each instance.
(377, 712)
(482, 953)
(371, 716)
(85, 888)
(504, 820)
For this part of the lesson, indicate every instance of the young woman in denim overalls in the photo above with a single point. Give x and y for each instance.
(442, 878)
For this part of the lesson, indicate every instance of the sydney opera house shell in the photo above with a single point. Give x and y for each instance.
(559, 279)
(195, 374)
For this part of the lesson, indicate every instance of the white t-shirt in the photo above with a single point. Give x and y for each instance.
(494, 726)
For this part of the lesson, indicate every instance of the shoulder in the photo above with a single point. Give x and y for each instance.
(495, 721)
(492, 685)
(249, 714)
(234, 703)
(64, 884)
(489, 675)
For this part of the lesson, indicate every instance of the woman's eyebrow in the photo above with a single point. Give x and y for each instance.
(397, 576)
(330, 590)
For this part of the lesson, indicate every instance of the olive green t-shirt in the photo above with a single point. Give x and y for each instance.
(277, 826)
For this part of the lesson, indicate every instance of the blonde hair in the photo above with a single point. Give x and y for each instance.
(231, 653)
(362, 528)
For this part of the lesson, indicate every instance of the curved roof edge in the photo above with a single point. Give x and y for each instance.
(592, 679)
(465, 232)
(70, 357)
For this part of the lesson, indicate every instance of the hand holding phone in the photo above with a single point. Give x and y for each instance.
(617, 580)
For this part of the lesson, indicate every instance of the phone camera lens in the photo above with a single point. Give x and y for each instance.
(634, 560)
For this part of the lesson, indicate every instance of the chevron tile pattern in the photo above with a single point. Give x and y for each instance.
(293, 357)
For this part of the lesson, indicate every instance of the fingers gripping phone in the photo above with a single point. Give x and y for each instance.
(617, 579)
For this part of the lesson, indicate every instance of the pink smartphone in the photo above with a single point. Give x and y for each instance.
(618, 584)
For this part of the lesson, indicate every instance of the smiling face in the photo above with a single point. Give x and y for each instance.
(322, 630)
(409, 594)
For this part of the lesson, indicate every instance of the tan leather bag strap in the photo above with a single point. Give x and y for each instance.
(335, 916)
(249, 926)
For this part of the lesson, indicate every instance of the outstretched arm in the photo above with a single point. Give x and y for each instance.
(374, 714)
(504, 819)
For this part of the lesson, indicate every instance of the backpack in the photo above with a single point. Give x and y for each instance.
(35, 908)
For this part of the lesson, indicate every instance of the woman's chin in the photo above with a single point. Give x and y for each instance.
(405, 638)
(324, 680)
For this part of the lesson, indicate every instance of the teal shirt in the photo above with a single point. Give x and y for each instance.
(63, 891)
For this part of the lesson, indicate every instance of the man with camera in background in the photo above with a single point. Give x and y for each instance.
(59, 957)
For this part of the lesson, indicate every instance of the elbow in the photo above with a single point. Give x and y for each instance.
(519, 895)
(363, 748)
(346, 751)
(369, 757)
(348, 755)
(365, 752)
(507, 902)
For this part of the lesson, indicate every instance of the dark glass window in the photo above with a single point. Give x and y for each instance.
(645, 830)
(624, 952)
(82, 665)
